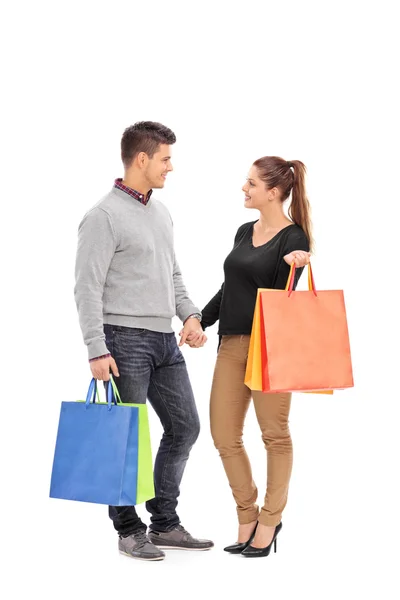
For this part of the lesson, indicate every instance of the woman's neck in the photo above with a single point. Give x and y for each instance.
(272, 219)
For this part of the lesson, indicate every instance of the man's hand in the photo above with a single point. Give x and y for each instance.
(192, 330)
(299, 257)
(101, 368)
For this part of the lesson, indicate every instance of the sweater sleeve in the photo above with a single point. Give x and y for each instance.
(184, 305)
(296, 240)
(210, 313)
(96, 248)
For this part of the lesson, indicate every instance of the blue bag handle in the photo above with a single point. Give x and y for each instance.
(93, 392)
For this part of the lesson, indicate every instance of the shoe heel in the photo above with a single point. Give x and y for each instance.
(251, 551)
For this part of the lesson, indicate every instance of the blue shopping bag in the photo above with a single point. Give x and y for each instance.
(96, 453)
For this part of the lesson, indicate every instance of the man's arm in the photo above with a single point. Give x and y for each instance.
(189, 314)
(96, 248)
(184, 306)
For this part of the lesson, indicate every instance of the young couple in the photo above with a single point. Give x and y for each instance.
(129, 287)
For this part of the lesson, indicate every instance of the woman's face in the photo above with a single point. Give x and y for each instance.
(256, 193)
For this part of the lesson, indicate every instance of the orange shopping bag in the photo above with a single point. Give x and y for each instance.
(299, 341)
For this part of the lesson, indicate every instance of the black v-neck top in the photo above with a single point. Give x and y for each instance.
(248, 268)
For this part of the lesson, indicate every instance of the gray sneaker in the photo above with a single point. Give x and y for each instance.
(139, 546)
(178, 538)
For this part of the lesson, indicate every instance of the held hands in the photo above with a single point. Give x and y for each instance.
(192, 334)
(299, 257)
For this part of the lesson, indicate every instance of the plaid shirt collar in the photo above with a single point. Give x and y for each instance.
(137, 195)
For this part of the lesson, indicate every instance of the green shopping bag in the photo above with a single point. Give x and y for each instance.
(145, 480)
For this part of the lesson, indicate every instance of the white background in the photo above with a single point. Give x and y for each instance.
(314, 81)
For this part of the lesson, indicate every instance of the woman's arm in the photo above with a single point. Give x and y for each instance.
(210, 313)
(296, 241)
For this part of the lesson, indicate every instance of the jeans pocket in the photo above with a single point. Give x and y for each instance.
(119, 330)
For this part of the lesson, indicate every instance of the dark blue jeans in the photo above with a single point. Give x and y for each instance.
(151, 365)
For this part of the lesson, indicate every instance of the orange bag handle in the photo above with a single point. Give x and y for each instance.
(290, 281)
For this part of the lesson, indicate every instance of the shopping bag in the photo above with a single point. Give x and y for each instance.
(145, 478)
(102, 451)
(299, 341)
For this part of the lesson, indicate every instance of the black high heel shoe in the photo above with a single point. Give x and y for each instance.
(239, 547)
(250, 551)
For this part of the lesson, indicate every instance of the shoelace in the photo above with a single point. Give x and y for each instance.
(141, 539)
(181, 528)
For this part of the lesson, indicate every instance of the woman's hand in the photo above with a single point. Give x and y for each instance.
(194, 342)
(299, 257)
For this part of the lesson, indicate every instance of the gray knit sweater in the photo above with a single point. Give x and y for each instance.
(126, 272)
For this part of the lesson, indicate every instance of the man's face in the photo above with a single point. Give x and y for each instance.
(158, 167)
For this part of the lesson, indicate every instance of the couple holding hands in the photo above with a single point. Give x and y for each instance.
(128, 287)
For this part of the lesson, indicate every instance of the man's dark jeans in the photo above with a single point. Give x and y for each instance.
(151, 365)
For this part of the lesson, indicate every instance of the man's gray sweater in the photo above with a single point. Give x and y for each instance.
(126, 272)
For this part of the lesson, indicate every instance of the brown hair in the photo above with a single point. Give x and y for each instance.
(144, 136)
(288, 176)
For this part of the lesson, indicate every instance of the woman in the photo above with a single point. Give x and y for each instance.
(261, 258)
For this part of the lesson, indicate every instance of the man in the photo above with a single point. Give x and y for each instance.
(128, 289)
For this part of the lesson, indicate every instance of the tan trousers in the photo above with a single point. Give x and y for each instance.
(230, 399)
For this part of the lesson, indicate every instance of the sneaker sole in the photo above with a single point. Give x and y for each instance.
(138, 558)
(162, 547)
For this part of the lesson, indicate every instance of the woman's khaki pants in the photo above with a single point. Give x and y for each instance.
(230, 399)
